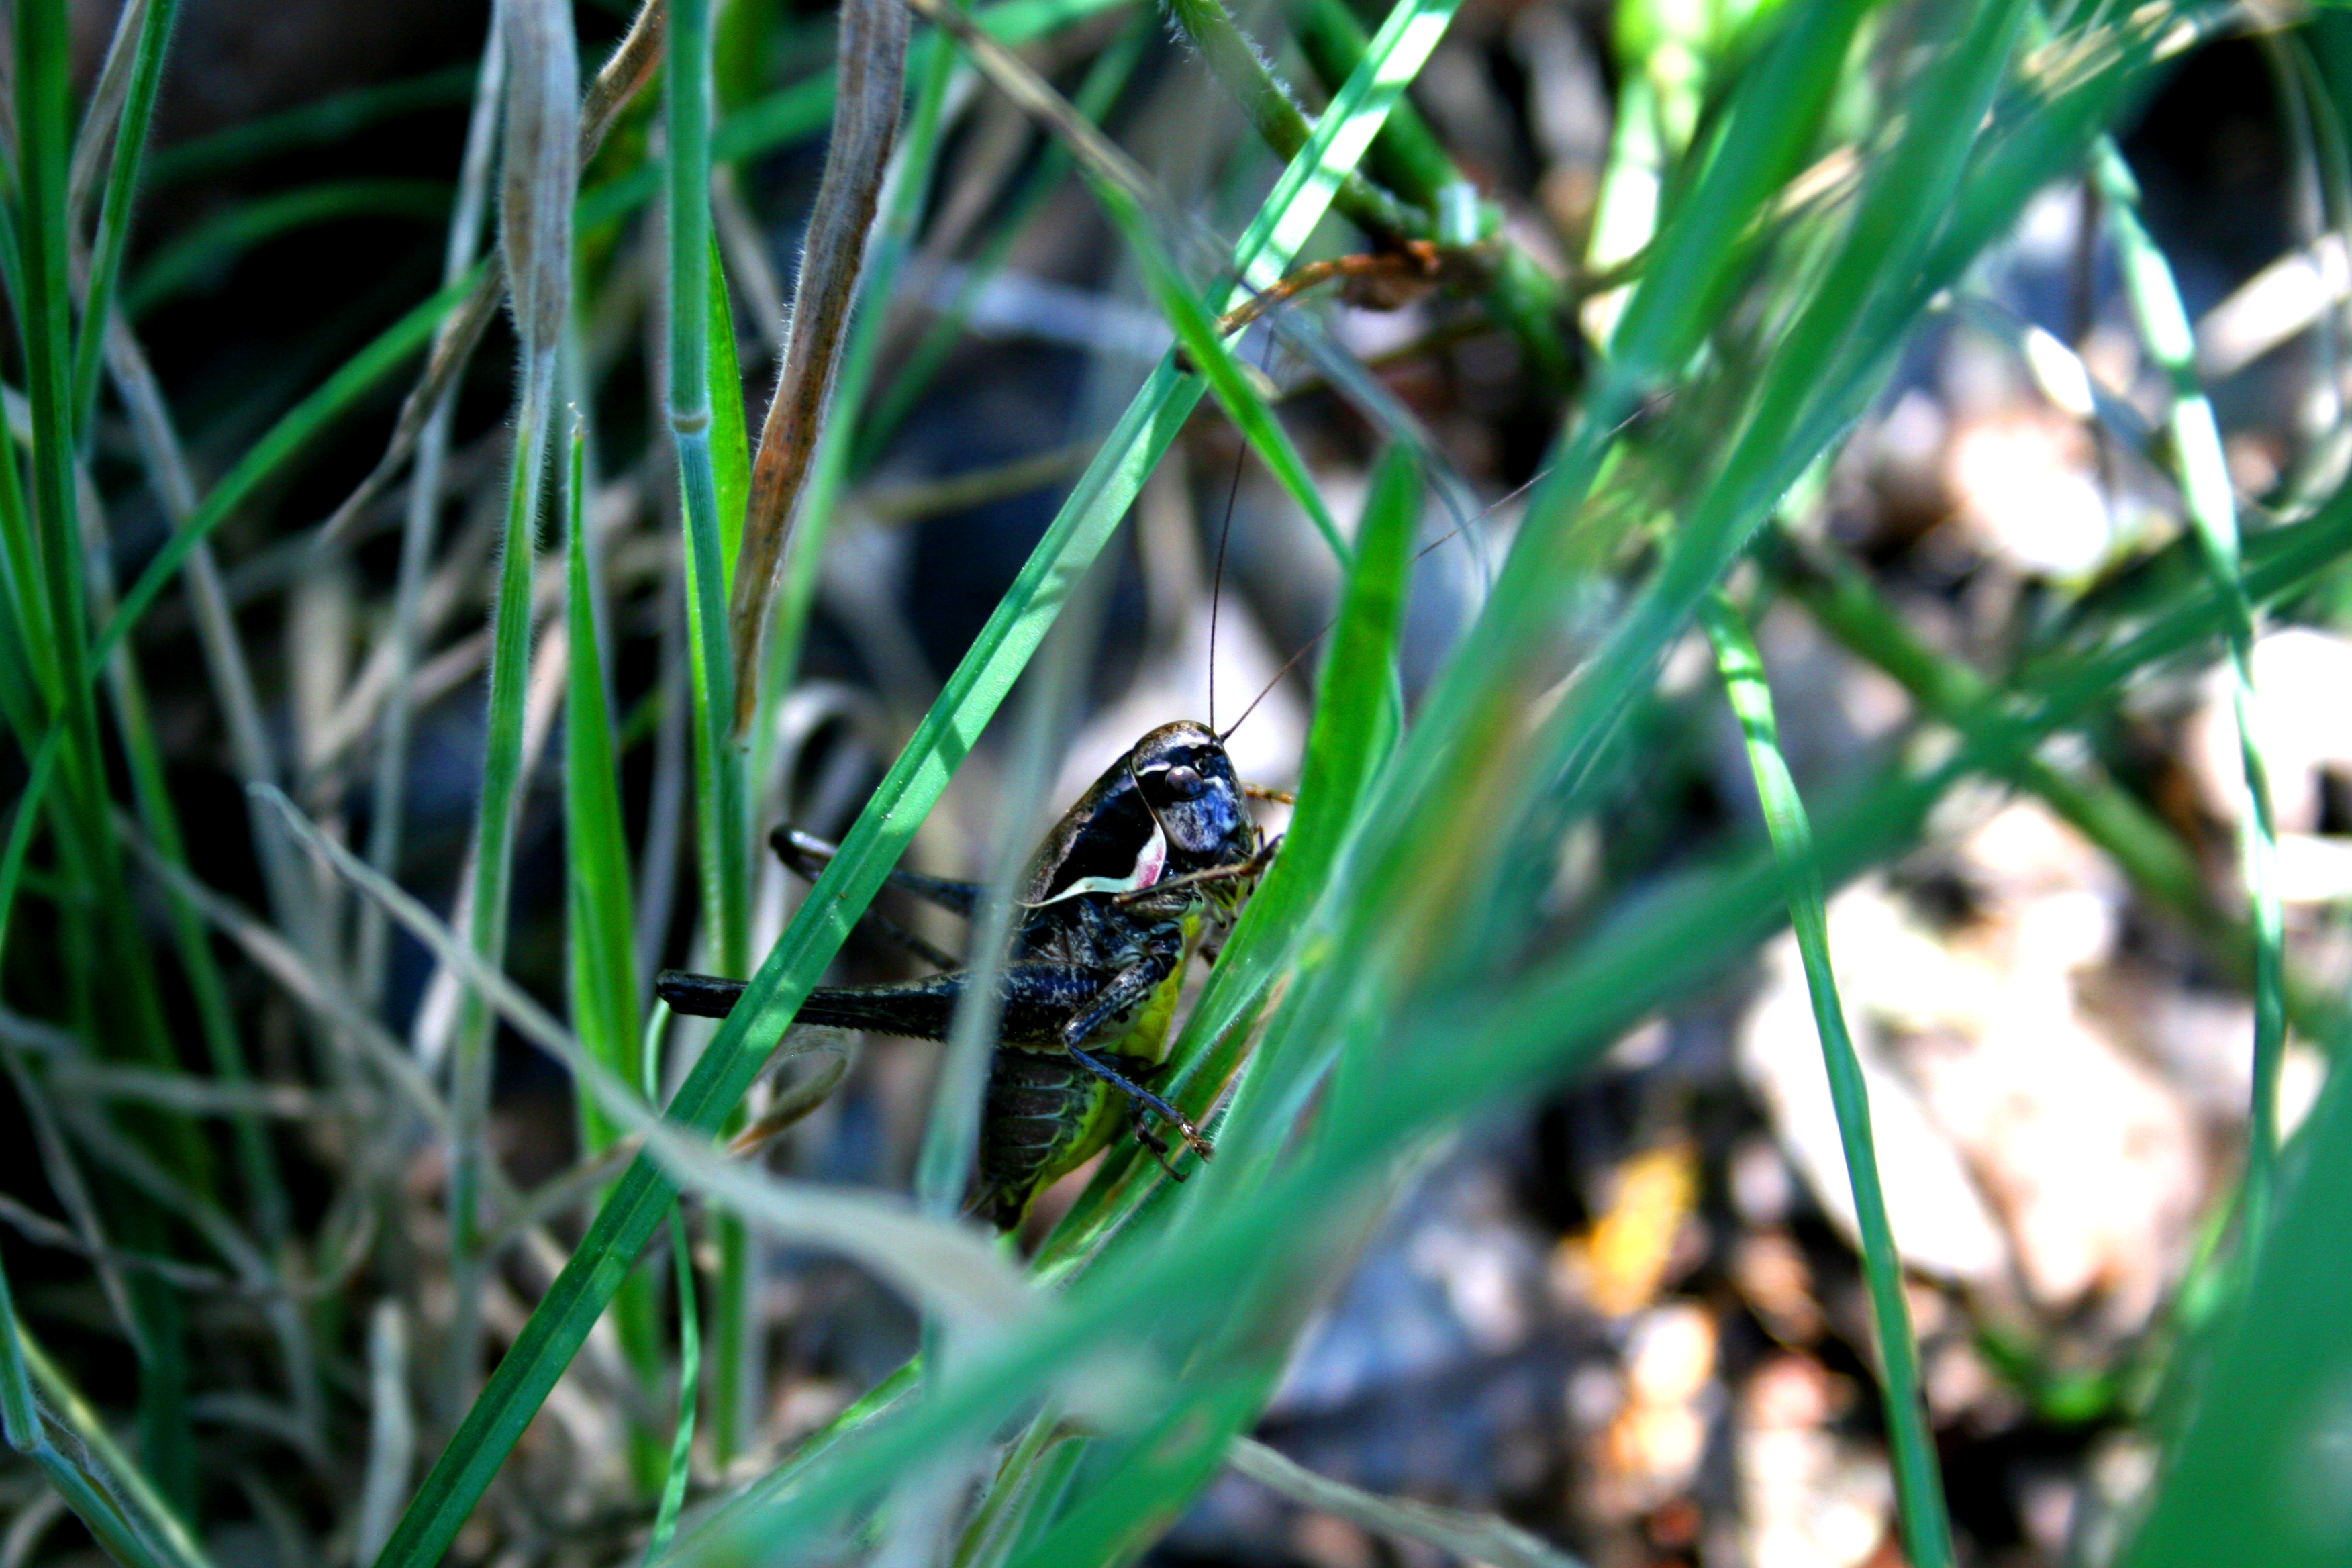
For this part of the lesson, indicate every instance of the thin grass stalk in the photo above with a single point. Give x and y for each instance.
(1239, 65)
(690, 1367)
(722, 834)
(722, 814)
(113, 1531)
(101, 113)
(232, 677)
(2203, 473)
(540, 173)
(604, 986)
(869, 84)
(111, 979)
(114, 213)
(1844, 604)
(1470, 1537)
(392, 1433)
(388, 798)
(1918, 1489)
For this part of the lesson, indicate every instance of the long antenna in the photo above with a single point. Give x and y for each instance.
(1267, 689)
(1217, 577)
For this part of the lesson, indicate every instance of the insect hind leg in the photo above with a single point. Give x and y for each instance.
(808, 856)
(1140, 1098)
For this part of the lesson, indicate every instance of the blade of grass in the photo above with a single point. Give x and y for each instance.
(689, 1364)
(540, 173)
(114, 1532)
(388, 798)
(698, 313)
(599, 921)
(1918, 1489)
(604, 986)
(114, 213)
(2256, 1477)
(2195, 449)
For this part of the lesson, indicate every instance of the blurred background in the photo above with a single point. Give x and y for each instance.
(1628, 1315)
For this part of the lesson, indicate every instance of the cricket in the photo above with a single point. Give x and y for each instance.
(1148, 869)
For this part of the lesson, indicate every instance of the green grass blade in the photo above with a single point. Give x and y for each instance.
(1473, 1538)
(1212, 358)
(1918, 1489)
(538, 161)
(605, 983)
(114, 213)
(690, 1367)
(137, 1539)
(698, 313)
(2207, 497)
(730, 447)
(722, 834)
(2256, 1478)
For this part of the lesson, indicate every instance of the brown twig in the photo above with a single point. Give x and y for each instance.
(870, 79)
(631, 67)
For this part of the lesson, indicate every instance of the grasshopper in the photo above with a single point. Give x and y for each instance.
(1153, 859)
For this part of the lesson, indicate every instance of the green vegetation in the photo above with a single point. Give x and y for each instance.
(1794, 192)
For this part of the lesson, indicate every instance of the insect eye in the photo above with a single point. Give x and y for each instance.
(1184, 783)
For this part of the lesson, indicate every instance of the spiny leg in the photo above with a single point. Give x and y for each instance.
(1138, 1096)
(1147, 1135)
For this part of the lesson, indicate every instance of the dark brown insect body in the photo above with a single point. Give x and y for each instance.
(1117, 898)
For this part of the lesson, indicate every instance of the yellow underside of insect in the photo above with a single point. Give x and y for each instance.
(1146, 1038)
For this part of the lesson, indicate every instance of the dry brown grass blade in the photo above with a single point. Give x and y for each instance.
(872, 76)
(631, 67)
(540, 171)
